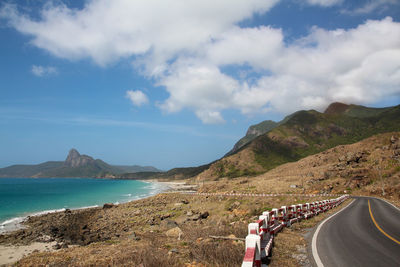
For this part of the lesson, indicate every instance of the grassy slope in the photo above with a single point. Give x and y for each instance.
(305, 133)
(252, 133)
(173, 174)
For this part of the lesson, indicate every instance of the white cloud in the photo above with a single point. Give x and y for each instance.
(324, 3)
(106, 31)
(371, 6)
(138, 98)
(186, 47)
(43, 71)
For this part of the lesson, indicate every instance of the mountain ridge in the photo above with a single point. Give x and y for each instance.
(304, 133)
(75, 165)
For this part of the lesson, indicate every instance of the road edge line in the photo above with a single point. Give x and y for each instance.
(314, 250)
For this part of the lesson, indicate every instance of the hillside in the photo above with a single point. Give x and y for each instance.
(173, 174)
(305, 133)
(75, 165)
(252, 133)
(368, 167)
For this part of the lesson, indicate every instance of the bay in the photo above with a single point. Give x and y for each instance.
(20, 197)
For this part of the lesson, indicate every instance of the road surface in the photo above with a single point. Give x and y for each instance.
(366, 233)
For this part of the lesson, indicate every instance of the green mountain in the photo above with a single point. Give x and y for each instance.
(173, 174)
(75, 165)
(304, 133)
(252, 133)
(136, 168)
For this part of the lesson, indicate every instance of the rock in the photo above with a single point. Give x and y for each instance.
(45, 238)
(195, 217)
(174, 233)
(57, 246)
(393, 139)
(133, 236)
(189, 213)
(67, 211)
(64, 245)
(204, 215)
(108, 205)
(165, 216)
(178, 204)
(174, 250)
(168, 224)
(185, 201)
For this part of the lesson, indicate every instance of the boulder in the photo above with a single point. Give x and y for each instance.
(108, 205)
(204, 215)
(168, 224)
(175, 232)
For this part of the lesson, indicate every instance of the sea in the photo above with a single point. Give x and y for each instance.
(22, 197)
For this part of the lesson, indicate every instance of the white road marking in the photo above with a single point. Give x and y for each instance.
(317, 259)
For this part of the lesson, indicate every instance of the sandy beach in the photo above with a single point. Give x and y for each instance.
(11, 254)
(173, 186)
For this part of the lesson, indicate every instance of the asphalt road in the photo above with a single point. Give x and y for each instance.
(352, 238)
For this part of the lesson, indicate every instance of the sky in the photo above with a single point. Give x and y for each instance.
(172, 83)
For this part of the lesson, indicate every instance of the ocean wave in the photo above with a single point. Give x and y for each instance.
(11, 224)
(10, 221)
(46, 212)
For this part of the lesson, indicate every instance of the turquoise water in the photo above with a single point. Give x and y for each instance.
(20, 197)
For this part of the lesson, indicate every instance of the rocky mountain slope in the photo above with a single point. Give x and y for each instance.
(368, 167)
(305, 133)
(75, 165)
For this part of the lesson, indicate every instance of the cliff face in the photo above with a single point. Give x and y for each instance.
(74, 159)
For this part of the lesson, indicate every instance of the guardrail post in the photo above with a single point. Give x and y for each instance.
(252, 256)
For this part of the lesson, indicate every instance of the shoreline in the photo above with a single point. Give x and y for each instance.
(16, 223)
(11, 253)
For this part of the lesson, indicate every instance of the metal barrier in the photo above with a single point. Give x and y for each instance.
(261, 233)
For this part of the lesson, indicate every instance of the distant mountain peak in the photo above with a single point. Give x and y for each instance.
(73, 153)
(74, 159)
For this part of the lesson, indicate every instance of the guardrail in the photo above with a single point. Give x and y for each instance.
(261, 233)
(252, 194)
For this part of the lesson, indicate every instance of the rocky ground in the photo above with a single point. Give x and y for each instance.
(370, 167)
(172, 229)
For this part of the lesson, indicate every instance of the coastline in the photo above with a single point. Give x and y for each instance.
(11, 253)
(16, 223)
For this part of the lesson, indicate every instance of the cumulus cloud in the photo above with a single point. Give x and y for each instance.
(187, 47)
(106, 31)
(43, 71)
(324, 3)
(358, 65)
(138, 98)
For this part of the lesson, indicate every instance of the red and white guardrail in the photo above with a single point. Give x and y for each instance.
(252, 194)
(261, 233)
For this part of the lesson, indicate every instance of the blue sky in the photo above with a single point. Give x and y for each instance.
(172, 83)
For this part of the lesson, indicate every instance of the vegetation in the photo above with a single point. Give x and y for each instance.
(309, 132)
(175, 174)
(252, 133)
